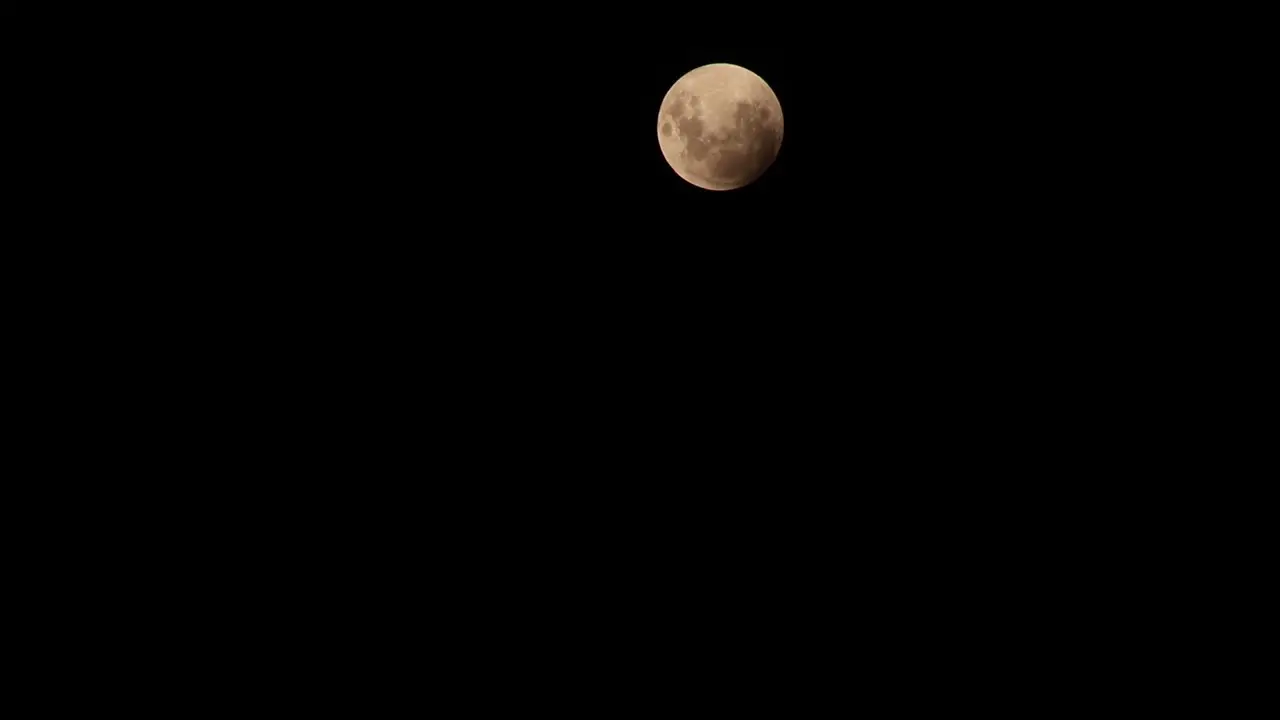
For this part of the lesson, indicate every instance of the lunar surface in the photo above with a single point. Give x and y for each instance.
(720, 127)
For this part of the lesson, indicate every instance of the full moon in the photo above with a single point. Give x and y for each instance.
(720, 127)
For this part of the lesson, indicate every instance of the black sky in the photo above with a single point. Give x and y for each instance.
(424, 254)
(907, 120)
(492, 190)
(911, 136)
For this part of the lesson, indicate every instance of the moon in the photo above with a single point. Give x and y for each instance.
(720, 127)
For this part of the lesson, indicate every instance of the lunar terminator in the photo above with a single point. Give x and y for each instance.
(720, 126)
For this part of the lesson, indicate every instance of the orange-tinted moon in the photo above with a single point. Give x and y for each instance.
(720, 126)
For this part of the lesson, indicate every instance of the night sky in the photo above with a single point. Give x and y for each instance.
(937, 220)
(458, 352)
(400, 193)
(936, 196)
